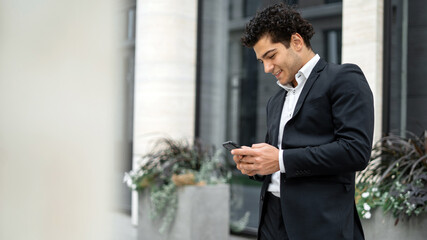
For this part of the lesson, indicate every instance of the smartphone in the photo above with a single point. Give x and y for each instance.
(230, 145)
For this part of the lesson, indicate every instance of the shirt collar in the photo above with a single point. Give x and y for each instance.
(302, 74)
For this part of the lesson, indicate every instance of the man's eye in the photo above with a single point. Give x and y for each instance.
(272, 56)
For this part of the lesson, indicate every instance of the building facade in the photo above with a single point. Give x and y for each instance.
(191, 77)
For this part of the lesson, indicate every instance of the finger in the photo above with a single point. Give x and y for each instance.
(249, 173)
(237, 158)
(248, 160)
(237, 162)
(259, 145)
(248, 167)
(243, 151)
(242, 147)
(243, 171)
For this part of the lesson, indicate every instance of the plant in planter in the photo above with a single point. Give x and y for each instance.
(172, 164)
(396, 178)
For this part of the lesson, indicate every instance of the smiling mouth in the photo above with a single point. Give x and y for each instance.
(277, 74)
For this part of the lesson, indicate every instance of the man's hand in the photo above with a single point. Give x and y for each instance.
(238, 159)
(262, 159)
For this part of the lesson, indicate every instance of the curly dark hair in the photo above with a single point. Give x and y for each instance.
(279, 21)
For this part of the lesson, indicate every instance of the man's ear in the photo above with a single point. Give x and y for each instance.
(297, 41)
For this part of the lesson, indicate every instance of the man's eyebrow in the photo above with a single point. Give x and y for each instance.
(266, 53)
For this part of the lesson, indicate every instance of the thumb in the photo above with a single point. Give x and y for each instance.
(259, 145)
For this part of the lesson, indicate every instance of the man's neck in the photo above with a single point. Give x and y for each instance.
(305, 58)
(308, 56)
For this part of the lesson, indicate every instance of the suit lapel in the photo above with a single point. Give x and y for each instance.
(310, 81)
(276, 115)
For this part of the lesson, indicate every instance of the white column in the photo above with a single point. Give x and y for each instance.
(362, 44)
(165, 71)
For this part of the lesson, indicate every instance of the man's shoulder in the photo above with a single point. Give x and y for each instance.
(334, 73)
(347, 76)
(342, 68)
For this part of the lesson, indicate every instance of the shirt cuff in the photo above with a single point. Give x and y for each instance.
(281, 163)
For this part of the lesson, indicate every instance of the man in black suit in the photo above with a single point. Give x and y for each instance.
(320, 129)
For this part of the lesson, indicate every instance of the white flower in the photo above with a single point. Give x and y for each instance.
(128, 180)
(367, 215)
(365, 194)
(366, 207)
(374, 189)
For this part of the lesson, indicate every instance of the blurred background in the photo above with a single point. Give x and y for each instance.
(86, 86)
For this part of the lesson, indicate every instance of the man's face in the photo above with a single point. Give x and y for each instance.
(278, 60)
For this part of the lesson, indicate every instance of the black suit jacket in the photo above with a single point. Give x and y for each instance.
(327, 140)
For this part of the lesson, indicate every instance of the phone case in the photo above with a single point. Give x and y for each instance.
(230, 145)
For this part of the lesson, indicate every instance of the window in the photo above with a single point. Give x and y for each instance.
(405, 87)
(332, 45)
(332, 1)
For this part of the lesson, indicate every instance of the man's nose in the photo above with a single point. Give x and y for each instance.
(268, 67)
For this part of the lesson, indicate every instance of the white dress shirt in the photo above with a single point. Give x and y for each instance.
(287, 112)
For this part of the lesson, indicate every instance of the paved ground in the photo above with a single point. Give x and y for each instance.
(124, 230)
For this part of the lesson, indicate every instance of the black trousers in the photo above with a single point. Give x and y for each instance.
(272, 226)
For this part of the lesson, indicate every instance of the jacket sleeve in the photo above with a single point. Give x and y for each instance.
(353, 120)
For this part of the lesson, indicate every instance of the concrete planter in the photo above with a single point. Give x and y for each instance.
(381, 226)
(203, 213)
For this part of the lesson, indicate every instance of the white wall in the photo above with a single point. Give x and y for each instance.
(61, 104)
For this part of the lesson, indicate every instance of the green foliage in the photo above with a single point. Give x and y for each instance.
(240, 224)
(237, 222)
(396, 178)
(164, 202)
(172, 164)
